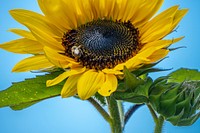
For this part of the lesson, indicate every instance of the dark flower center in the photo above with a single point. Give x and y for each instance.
(101, 43)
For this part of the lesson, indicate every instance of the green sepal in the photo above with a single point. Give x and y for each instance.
(130, 97)
(100, 99)
(170, 93)
(26, 93)
(172, 49)
(121, 86)
(168, 107)
(141, 71)
(131, 81)
(138, 95)
(175, 118)
(187, 107)
(159, 83)
(158, 87)
(155, 102)
(167, 100)
(188, 121)
(149, 68)
(143, 89)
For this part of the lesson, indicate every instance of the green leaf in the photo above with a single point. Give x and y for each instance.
(26, 93)
(131, 81)
(23, 106)
(184, 74)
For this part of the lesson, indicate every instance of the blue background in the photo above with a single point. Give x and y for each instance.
(74, 116)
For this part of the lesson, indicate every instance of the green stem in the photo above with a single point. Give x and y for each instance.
(131, 111)
(158, 121)
(113, 106)
(121, 112)
(155, 117)
(98, 107)
(159, 125)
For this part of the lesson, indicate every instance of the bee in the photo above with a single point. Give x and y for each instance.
(76, 51)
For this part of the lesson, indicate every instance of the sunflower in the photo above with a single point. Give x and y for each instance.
(93, 40)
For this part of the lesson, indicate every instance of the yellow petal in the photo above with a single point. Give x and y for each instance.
(44, 38)
(28, 17)
(100, 8)
(107, 9)
(151, 52)
(70, 86)
(119, 67)
(54, 11)
(159, 26)
(40, 27)
(58, 59)
(112, 71)
(23, 46)
(109, 86)
(178, 16)
(71, 14)
(160, 44)
(23, 33)
(146, 9)
(65, 75)
(139, 59)
(118, 7)
(82, 15)
(135, 62)
(37, 62)
(157, 30)
(130, 9)
(158, 55)
(169, 13)
(89, 83)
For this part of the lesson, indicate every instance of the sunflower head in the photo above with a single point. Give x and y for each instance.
(92, 41)
(101, 44)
